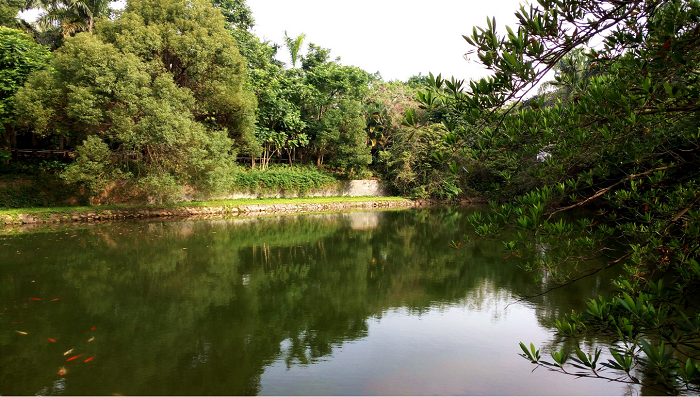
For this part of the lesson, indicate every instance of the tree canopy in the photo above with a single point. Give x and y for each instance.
(154, 98)
(19, 57)
(236, 13)
(292, 104)
(9, 10)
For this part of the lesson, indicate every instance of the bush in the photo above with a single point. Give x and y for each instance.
(411, 168)
(284, 179)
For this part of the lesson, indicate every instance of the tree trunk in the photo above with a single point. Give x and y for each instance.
(7, 142)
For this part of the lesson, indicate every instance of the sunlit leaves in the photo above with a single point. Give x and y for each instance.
(532, 354)
(19, 57)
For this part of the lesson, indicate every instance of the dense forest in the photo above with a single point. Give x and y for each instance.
(163, 96)
(168, 94)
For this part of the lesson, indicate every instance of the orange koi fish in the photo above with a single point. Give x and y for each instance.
(33, 299)
(74, 357)
(90, 359)
(62, 371)
(51, 340)
(54, 300)
(68, 352)
(21, 333)
(18, 322)
(91, 339)
(92, 329)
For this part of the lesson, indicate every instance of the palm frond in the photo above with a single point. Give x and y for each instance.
(294, 46)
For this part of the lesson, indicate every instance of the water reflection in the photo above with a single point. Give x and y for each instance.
(365, 302)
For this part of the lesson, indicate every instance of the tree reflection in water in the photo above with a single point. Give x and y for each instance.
(202, 307)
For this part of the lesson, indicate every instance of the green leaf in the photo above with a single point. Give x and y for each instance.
(669, 89)
(677, 57)
(510, 59)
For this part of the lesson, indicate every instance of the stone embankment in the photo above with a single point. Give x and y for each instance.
(93, 215)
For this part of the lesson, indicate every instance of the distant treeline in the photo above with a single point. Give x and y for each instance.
(165, 94)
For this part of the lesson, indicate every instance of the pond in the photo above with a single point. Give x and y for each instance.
(349, 303)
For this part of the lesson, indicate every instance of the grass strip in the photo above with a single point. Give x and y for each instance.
(212, 203)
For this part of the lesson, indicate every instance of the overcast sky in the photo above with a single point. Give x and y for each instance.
(398, 38)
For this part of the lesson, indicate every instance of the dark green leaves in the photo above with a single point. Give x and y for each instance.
(19, 57)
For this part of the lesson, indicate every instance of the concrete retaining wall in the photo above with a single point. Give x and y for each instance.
(351, 188)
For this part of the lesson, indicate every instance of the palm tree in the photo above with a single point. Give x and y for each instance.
(571, 71)
(294, 46)
(68, 17)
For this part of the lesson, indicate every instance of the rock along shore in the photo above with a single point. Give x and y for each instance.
(96, 214)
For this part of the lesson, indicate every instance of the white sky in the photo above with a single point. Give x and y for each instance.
(398, 38)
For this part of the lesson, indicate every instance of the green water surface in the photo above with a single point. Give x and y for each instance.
(341, 304)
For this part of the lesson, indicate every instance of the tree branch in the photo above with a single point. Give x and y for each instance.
(609, 188)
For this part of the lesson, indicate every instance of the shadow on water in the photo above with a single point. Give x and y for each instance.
(207, 307)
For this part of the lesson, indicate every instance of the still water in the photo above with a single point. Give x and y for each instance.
(351, 303)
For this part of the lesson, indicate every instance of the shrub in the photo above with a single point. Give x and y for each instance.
(284, 179)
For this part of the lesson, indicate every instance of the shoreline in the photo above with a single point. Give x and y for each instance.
(182, 210)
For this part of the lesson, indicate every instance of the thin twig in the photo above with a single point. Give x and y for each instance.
(609, 265)
(607, 189)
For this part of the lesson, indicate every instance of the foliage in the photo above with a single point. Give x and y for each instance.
(157, 113)
(385, 108)
(414, 169)
(292, 104)
(341, 135)
(259, 54)
(316, 56)
(188, 41)
(294, 46)
(337, 89)
(236, 13)
(571, 72)
(19, 57)
(129, 125)
(93, 166)
(624, 138)
(9, 10)
(285, 180)
(279, 123)
(408, 154)
(61, 19)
